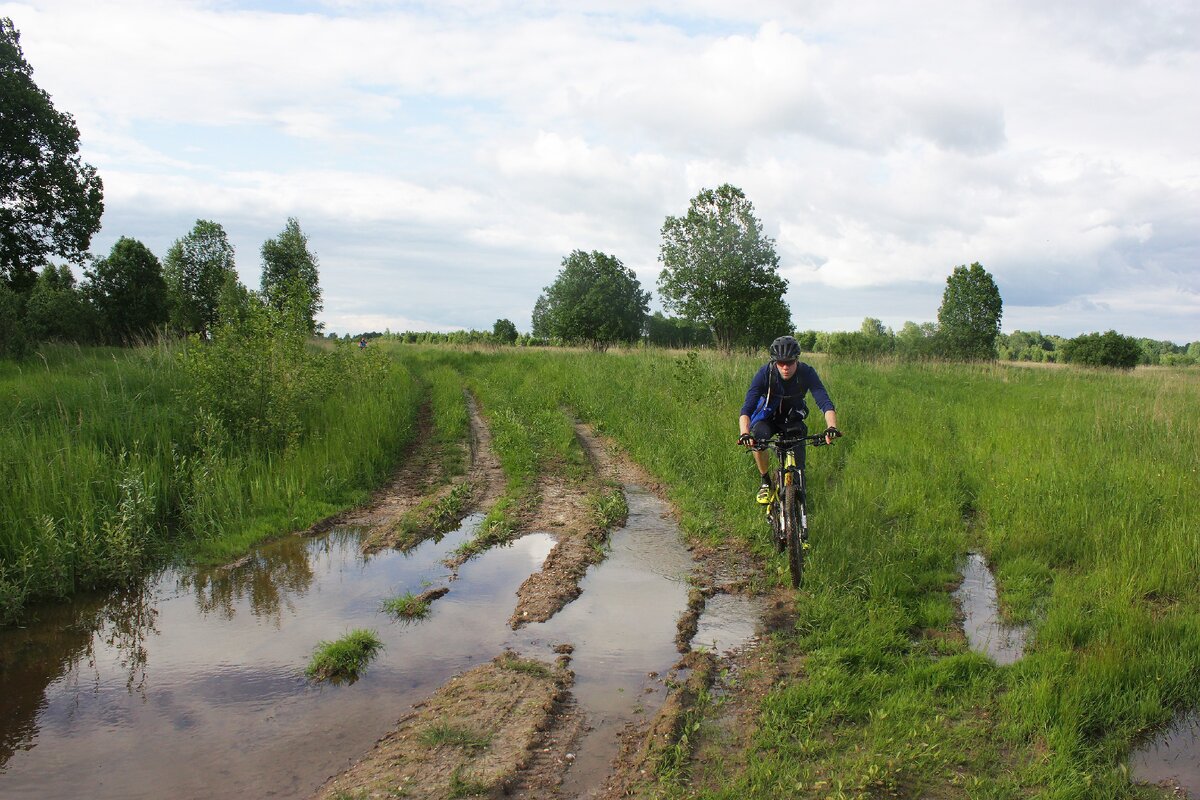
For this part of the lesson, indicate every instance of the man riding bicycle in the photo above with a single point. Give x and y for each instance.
(775, 404)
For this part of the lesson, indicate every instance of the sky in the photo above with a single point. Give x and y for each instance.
(443, 157)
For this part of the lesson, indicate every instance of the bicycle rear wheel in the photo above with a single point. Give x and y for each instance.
(793, 526)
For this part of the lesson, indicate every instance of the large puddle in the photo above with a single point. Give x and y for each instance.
(1173, 755)
(986, 632)
(193, 687)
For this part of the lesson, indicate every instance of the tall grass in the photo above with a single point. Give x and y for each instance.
(107, 468)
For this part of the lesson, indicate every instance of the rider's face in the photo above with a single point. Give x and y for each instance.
(786, 368)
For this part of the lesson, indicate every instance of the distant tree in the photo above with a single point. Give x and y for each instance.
(595, 300)
(13, 341)
(969, 317)
(665, 331)
(807, 341)
(1109, 349)
(196, 267)
(720, 269)
(50, 201)
(57, 310)
(287, 261)
(128, 291)
(504, 331)
(917, 341)
(871, 341)
(1193, 351)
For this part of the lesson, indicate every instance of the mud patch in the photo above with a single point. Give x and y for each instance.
(472, 737)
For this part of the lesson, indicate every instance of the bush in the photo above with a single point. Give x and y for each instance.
(1109, 349)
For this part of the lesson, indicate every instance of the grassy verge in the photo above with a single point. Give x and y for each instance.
(108, 468)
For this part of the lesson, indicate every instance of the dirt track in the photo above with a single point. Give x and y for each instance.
(517, 717)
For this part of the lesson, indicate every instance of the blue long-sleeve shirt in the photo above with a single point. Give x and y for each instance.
(785, 395)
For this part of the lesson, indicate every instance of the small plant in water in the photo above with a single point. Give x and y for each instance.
(345, 658)
(407, 606)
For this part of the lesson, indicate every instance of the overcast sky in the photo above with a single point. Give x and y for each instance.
(444, 156)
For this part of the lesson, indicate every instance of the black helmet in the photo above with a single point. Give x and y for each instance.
(785, 348)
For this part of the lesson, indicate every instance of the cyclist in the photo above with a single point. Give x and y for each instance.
(775, 404)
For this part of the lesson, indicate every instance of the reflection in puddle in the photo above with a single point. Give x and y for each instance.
(1173, 755)
(985, 632)
(194, 688)
(623, 629)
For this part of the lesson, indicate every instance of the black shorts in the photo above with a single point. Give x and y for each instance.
(792, 426)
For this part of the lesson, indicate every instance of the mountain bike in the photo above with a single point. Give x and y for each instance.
(787, 513)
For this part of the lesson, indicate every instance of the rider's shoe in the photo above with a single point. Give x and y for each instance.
(766, 493)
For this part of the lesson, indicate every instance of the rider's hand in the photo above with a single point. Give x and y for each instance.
(831, 433)
(746, 440)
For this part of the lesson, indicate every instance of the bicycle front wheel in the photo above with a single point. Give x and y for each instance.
(792, 522)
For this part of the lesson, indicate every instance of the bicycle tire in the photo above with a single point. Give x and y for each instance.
(795, 536)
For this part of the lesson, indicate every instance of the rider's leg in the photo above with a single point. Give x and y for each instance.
(761, 431)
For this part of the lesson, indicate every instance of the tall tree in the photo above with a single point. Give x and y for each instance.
(50, 201)
(196, 267)
(719, 268)
(504, 331)
(595, 300)
(287, 263)
(128, 291)
(969, 317)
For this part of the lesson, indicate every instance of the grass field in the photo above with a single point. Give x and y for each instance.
(1080, 487)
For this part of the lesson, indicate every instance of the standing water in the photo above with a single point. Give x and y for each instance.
(193, 687)
(1172, 756)
(986, 632)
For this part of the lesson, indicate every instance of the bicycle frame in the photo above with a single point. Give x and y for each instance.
(787, 512)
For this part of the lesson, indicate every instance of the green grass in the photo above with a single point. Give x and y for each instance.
(406, 606)
(1078, 486)
(344, 659)
(107, 469)
(454, 736)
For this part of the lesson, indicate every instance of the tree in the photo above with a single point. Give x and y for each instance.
(13, 341)
(128, 291)
(57, 309)
(916, 341)
(595, 300)
(287, 261)
(50, 201)
(666, 331)
(720, 269)
(969, 317)
(504, 332)
(1110, 349)
(195, 269)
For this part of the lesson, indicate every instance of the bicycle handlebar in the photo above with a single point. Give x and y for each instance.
(778, 440)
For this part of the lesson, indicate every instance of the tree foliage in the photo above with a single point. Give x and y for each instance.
(196, 268)
(504, 331)
(719, 268)
(57, 309)
(665, 331)
(969, 317)
(128, 291)
(1109, 349)
(286, 261)
(595, 300)
(50, 201)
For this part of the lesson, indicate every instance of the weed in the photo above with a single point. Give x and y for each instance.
(528, 666)
(344, 659)
(464, 787)
(406, 606)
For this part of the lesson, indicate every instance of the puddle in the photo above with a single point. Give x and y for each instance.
(623, 629)
(728, 623)
(193, 687)
(985, 631)
(1173, 755)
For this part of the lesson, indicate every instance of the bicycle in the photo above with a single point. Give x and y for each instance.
(786, 513)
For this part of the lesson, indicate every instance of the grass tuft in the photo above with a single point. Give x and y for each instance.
(344, 659)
